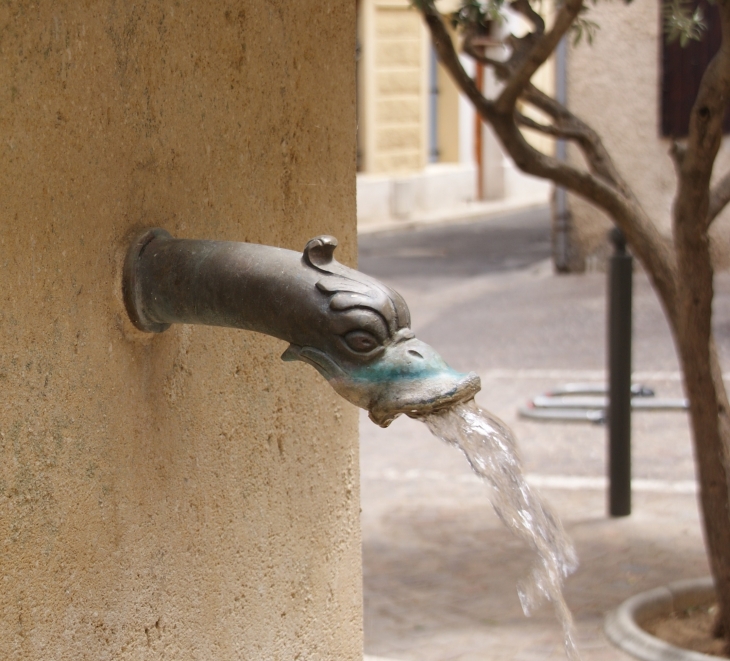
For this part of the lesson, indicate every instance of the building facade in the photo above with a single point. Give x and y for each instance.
(421, 150)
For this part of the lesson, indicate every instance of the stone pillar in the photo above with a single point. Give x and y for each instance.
(185, 495)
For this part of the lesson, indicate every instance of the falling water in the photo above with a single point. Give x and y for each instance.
(490, 448)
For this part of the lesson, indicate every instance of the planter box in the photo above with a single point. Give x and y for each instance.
(623, 626)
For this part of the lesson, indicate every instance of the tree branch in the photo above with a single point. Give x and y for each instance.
(472, 50)
(539, 48)
(692, 213)
(598, 158)
(552, 130)
(626, 212)
(649, 245)
(677, 152)
(525, 8)
(449, 58)
(549, 167)
(719, 197)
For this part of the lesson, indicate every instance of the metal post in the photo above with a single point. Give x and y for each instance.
(619, 366)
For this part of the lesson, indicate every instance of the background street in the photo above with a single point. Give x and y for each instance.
(440, 572)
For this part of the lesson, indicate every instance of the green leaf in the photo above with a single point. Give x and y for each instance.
(583, 26)
(478, 13)
(681, 22)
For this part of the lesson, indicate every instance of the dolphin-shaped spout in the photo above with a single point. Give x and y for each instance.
(353, 329)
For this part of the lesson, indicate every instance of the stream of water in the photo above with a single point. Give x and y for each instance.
(490, 448)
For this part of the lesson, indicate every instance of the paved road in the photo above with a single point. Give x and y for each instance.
(485, 295)
(435, 254)
(439, 570)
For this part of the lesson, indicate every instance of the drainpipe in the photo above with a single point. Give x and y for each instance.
(478, 133)
(561, 225)
(433, 106)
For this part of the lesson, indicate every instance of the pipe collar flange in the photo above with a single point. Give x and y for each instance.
(130, 281)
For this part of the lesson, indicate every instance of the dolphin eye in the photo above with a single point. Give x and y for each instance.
(361, 341)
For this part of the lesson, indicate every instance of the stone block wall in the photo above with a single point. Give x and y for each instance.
(394, 83)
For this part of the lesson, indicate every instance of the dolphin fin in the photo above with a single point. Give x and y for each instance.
(292, 353)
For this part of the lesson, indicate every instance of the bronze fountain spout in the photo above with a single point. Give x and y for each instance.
(352, 329)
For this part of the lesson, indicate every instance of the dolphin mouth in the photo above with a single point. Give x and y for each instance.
(420, 396)
(410, 379)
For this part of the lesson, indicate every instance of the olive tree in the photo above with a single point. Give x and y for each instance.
(679, 267)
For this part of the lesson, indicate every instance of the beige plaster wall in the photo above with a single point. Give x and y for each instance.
(187, 495)
(615, 85)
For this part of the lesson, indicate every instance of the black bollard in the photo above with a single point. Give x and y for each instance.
(619, 367)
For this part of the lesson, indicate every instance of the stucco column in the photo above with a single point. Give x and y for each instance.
(186, 495)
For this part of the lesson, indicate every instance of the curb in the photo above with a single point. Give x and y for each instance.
(622, 629)
(473, 212)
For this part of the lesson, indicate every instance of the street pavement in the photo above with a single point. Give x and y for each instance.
(440, 572)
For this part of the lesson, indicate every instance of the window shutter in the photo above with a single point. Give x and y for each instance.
(682, 69)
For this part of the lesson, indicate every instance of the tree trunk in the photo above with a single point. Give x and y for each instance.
(708, 407)
(708, 404)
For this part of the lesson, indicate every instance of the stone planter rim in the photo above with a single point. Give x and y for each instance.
(622, 628)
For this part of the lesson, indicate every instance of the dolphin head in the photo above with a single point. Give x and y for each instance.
(369, 354)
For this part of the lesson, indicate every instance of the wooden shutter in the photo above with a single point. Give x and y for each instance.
(682, 69)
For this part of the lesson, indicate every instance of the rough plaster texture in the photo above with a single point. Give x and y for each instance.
(187, 495)
(615, 85)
